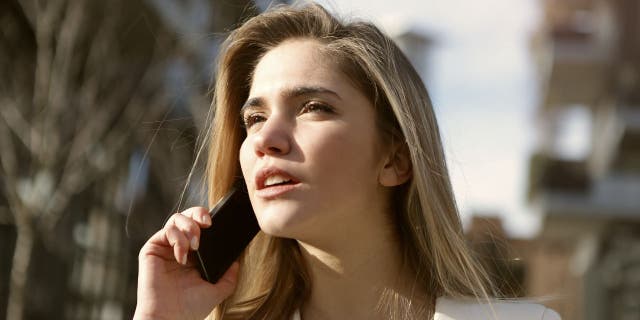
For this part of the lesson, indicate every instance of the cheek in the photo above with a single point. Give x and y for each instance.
(246, 161)
(346, 155)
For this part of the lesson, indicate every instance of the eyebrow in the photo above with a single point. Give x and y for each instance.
(289, 93)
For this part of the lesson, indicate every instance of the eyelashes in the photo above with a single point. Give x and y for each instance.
(314, 106)
(250, 118)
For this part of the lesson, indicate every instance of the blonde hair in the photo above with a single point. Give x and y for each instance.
(274, 279)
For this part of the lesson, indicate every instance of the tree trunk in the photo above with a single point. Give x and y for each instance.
(19, 268)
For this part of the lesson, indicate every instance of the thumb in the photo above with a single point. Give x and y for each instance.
(227, 283)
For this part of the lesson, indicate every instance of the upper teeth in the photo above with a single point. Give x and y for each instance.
(274, 180)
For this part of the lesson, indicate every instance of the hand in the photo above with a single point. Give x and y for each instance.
(169, 285)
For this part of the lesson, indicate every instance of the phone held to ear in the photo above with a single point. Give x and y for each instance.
(233, 226)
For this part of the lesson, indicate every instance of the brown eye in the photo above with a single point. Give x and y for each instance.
(314, 106)
(250, 119)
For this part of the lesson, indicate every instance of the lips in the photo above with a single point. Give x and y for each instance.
(272, 177)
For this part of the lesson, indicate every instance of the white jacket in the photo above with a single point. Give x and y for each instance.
(449, 309)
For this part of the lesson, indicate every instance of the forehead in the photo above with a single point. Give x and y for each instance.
(295, 63)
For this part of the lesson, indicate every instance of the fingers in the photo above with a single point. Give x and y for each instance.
(182, 231)
(199, 215)
(178, 240)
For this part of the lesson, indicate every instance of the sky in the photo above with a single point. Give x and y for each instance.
(483, 82)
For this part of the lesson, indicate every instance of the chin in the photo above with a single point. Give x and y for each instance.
(280, 222)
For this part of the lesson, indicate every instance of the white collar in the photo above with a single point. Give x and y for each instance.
(462, 309)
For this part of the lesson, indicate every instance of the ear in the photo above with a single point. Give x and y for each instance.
(397, 167)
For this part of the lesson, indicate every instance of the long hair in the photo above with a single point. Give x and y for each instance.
(274, 280)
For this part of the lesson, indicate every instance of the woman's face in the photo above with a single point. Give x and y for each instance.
(311, 158)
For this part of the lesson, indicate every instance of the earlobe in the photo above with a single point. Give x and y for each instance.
(397, 168)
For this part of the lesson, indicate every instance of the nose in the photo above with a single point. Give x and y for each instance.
(273, 138)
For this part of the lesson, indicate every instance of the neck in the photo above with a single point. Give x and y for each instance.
(360, 277)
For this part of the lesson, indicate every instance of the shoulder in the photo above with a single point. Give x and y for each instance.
(453, 309)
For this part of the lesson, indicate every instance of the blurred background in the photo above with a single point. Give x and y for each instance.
(102, 103)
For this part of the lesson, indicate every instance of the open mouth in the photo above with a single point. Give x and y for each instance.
(274, 185)
(272, 182)
(277, 180)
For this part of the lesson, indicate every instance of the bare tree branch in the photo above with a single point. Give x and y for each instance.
(63, 72)
(27, 134)
(29, 9)
(47, 16)
(9, 160)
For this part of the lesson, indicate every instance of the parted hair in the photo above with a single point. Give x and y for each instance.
(274, 280)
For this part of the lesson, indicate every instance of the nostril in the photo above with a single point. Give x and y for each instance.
(269, 150)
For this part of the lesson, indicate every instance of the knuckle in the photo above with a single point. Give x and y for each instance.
(187, 213)
(194, 228)
(171, 220)
(173, 236)
(194, 212)
(142, 253)
(187, 225)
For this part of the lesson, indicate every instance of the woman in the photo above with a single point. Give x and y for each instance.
(335, 136)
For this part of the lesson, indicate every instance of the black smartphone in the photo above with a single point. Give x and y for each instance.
(233, 226)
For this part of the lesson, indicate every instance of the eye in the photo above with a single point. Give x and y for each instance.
(250, 119)
(315, 106)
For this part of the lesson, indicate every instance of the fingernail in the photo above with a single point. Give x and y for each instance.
(205, 219)
(184, 259)
(194, 243)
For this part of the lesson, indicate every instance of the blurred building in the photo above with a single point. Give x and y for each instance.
(585, 175)
(415, 43)
(505, 259)
(513, 264)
